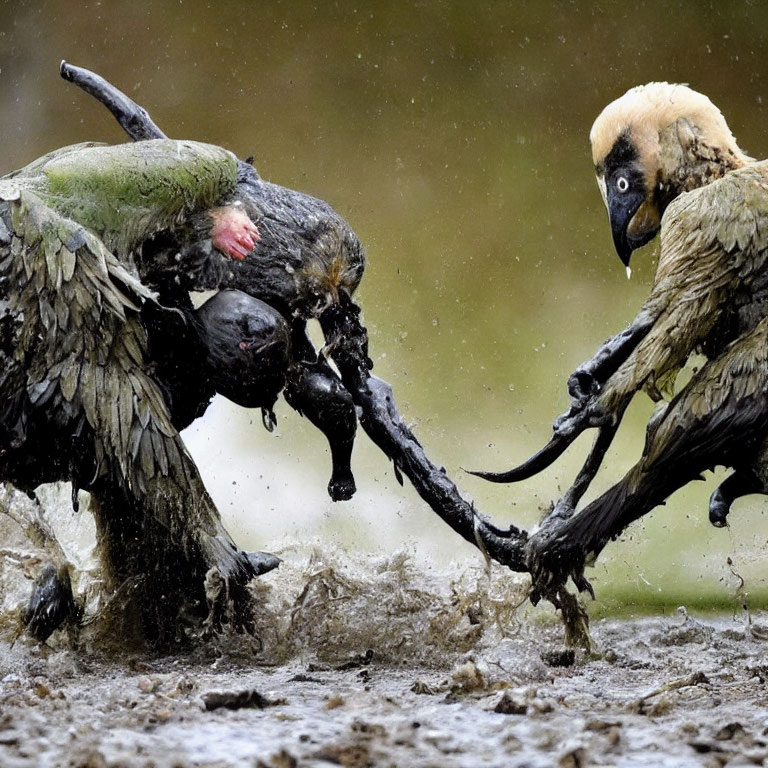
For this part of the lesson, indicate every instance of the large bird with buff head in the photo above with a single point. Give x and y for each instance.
(667, 162)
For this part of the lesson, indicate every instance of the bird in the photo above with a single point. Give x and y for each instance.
(103, 358)
(79, 399)
(667, 163)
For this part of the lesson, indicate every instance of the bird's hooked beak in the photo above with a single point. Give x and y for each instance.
(635, 219)
(634, 230)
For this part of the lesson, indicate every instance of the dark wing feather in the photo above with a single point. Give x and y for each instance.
(721, 416)
(88, 365)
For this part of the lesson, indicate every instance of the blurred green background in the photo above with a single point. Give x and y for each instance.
(453, 137)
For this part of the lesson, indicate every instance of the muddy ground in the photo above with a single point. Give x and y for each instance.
(386, 662)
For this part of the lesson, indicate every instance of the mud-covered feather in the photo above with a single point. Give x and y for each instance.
(68, 263)
(70, 377)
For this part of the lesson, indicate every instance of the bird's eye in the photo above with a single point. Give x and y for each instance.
(622, 184)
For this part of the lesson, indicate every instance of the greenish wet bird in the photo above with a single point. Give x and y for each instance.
(79, 397)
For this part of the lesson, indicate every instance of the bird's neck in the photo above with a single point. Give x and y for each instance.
(692, 164)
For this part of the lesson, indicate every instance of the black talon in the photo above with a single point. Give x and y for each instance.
(583, 584)
(341, 486)
(268, 419)
(741, 483)
(537, 463)
(719, 507)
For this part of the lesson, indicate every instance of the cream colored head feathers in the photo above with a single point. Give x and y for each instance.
(654, 143)
(646, 114)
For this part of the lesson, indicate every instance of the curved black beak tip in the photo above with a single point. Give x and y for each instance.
(623, 248)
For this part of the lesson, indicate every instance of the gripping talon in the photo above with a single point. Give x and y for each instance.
(537, 463)
(268, 419)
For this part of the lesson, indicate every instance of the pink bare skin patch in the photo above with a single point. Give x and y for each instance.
(233, 233)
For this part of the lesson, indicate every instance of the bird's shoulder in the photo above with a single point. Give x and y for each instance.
(725, 219)
(128, 192)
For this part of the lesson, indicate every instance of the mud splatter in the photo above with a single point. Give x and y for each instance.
(388, 661)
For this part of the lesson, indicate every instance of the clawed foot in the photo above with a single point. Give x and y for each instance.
(586, 412)
(341, 486)
(553, 558)
(582, 386)
(233, 233)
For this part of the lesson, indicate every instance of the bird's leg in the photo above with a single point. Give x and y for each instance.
(133, 119)
(715, 419)
(565, 543)
(740, 483)
(586, 382)
(591, 466)
(315, 391)
(588, 379)
(585, 412)
(164, 542)
(566, 505)
(347, 339)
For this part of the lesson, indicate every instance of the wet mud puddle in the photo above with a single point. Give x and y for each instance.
(385, 662)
